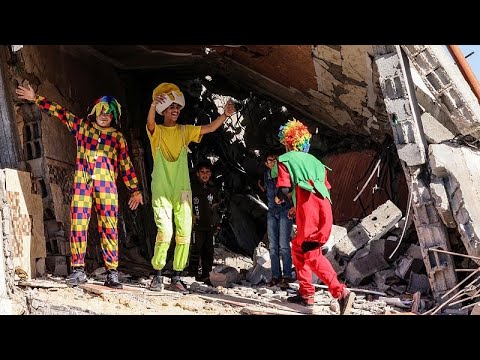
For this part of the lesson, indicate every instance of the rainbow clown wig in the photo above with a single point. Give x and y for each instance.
(295, 135)
(108, 104)
(174, 95)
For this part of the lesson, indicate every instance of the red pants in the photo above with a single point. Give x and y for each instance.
(314, 223)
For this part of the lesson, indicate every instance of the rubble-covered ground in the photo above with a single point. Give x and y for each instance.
(51, 296)
(240, 288)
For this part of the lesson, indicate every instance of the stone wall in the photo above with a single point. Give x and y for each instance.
(6, 260)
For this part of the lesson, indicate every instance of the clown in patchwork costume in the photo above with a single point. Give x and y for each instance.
(171, 192)
(102, 155)
(313, 214)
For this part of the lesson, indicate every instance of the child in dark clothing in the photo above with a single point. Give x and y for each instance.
(205, 200)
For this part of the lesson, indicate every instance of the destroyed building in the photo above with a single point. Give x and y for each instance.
(399, 126)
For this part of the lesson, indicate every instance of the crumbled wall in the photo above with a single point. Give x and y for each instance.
(458, 168)
(335, 85)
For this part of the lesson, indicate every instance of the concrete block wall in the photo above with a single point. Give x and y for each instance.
(402, 106)
(445, 81)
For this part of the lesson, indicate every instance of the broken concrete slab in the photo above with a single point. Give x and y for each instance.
(39, 283)
(362, 267)
(372, 227)
(459, 168)
(434, 131)
(442, 204)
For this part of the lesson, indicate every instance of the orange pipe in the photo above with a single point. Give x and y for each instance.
(465, 69)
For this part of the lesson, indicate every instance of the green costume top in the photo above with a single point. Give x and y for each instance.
(303, 167)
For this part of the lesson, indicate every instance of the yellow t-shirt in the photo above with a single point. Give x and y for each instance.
(171, 139)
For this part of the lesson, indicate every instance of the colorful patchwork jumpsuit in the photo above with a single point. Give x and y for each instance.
(101, 154)
(171, 191)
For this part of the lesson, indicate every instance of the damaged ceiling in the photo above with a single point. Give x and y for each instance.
(334, 85)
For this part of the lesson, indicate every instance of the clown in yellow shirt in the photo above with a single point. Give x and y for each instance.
(171, 192)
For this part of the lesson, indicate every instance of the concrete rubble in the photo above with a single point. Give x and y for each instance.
(135, 298)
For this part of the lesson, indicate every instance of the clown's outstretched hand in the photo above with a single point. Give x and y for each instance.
(26, 93)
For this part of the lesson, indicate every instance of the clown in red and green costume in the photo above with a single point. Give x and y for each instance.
(312, 211)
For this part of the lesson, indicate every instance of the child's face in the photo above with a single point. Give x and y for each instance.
(172, 112)
(271, 161)
(104, 120)
(204, 174)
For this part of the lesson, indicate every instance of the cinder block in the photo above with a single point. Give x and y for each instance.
(362, 267)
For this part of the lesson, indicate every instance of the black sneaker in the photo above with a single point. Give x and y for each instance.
(178, 286)
(157, 283)
(112, 280)
(273, 282)
(203, 278)
(346, 301)
(76, 277)
(284, 283)
(299, 299)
